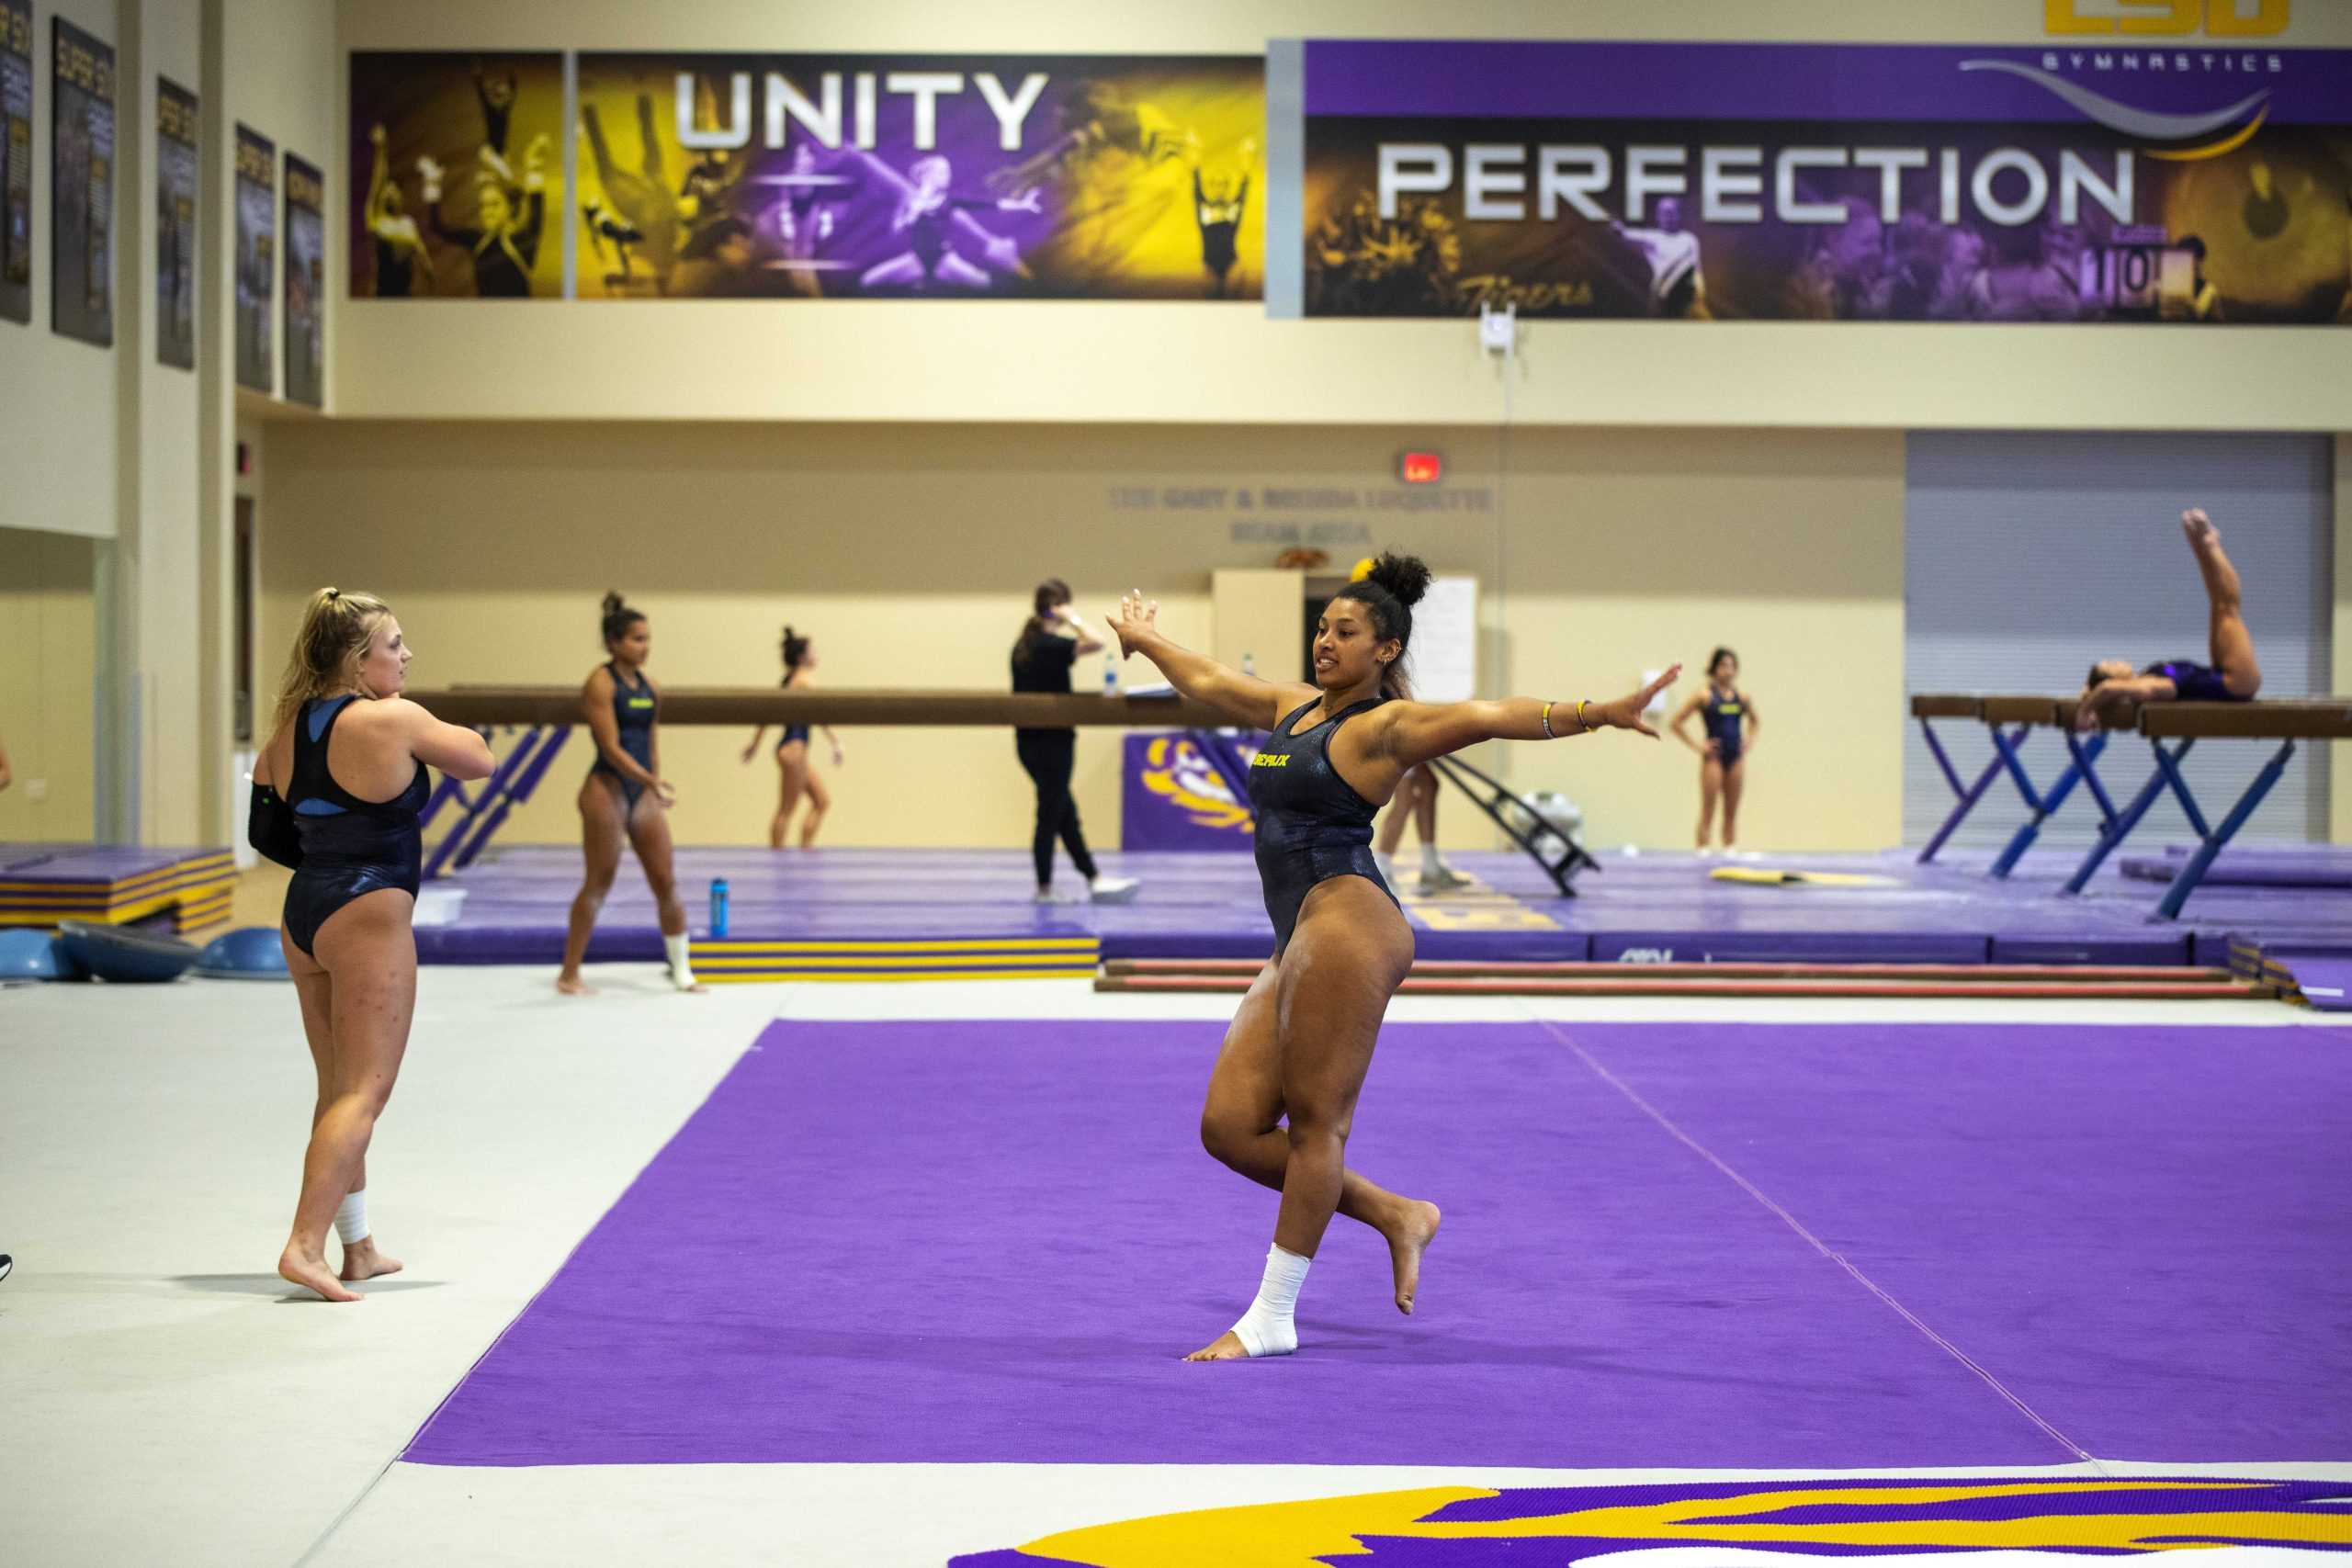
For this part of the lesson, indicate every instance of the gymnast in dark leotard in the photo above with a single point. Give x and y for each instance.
(2113, 694)
(1728, 714)
(625, 795)
(337, 793)
(792, 752)
(1298, 1048)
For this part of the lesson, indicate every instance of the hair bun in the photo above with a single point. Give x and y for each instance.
(329, 595)
(1407, 577)
(614, 603)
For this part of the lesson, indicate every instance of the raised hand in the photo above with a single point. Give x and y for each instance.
(1134, 619)
(1626, 712)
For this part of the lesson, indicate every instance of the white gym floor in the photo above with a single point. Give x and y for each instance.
(165, 1398)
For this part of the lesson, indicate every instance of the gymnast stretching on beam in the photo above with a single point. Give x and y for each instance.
(1303, 1039)
(2113, 695)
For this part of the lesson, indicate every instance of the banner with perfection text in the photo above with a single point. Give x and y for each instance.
(178, 134)
(947, 176)
(306, 283)
(81, 188)
(1818, 182)
(16, 160)
(256, 199)
(456, 171)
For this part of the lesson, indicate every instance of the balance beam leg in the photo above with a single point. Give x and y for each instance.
(2202, 861)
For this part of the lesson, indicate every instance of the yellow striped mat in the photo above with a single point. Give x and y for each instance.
(749, 961)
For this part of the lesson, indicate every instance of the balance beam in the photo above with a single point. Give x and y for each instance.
(2316, 718)
(870, 709)
(2009, 720)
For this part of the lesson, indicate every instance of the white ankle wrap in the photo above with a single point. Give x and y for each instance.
(1269, 1327)
(351, 1218)
(682, 973)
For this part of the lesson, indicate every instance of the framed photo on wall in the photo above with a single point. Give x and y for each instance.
(256, 256)
(16, 160)
(81, 189)
(176, 135)
(306, 281)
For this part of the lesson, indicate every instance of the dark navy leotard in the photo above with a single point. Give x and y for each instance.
(350, 846)
(1724, 714)
(2196, 682)
(1312, 825)
(633, 711)
(792, 732)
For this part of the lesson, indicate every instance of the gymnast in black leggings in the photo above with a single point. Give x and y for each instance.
(1050, 641)
(336, 795)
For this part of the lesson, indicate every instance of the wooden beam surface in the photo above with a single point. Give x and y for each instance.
(843, 706)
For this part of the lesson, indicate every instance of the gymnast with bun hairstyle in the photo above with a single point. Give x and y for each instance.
(337, 796)
(797, 778)
(625, 795)
(1300, 1045)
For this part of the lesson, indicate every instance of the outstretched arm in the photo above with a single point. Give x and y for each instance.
(380, 177)
(1413, 733)
(1245, 699)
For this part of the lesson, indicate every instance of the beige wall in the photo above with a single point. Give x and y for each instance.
(943, 361)
(49, 604)
(57, 394)
(909, 551)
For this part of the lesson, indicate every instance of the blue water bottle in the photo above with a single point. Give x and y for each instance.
(717, 906)
(1111, 675)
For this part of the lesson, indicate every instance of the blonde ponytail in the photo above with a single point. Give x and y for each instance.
(332, 639)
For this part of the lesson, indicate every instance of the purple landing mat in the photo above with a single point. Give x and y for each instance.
(869, 1245)
(83, 863)
(2304, 866)
(2140, 1231)
(1207, 905)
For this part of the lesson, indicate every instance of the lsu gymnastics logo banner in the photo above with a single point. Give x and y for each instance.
(799, 176)
(1942, 1523)
(2116, 179)
(1175, 799)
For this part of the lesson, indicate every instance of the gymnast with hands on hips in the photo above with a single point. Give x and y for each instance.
(1300, 1045)
(2113, 695)
(337, 792)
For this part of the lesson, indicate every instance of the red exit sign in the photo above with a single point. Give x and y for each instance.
(1421, 467)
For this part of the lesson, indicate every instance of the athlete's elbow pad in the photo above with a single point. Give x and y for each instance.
(269, 829)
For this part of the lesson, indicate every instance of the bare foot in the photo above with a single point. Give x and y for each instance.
(1227, 1347)
(2202, 534)
(1407, 1242)
(362, 1262)
(311, 1274)
(573, 986)
(692, 988)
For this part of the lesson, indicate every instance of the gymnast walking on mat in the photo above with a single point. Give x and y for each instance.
(1300, 1045)
(625, 795)
(797, 777)
(2113, 695)
(336, 797)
